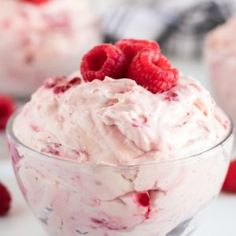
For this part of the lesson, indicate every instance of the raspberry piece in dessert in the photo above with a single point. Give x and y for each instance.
(153, 71)
(131, 47)
(61, 84)
(5, 200)
(7, 107)
(230, 181)
(171, 96)
(103, 60)
(143, 199)
(38, 2)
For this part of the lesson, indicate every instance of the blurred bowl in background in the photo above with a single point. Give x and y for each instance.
(220, 57)
(42, 40)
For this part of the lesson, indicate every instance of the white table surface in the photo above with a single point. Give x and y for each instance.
(219, 219)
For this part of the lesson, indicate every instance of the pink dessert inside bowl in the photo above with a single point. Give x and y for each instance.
(120, 156)
(111, 111)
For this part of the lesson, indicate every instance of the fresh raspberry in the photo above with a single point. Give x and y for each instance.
(5, 200)
(101, 61)
(131, 47)
(37, 2)
(153, 71)
(7, 107)
(230, 181)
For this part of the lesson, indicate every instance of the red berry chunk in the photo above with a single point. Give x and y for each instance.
(61, 84)
(7, 107)
(230, 181)
(171, 96)
(153, 71)
(131, 47)
(143, 199)
(38, 2)
(5, 200)
(103, 60)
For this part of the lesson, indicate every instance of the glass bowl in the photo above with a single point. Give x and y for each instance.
(3, 145)
(163, 198)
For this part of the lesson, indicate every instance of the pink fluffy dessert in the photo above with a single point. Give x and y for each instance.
(120, 156)
(110, 111)
(220, 55)
(105, 123)
(36, 41)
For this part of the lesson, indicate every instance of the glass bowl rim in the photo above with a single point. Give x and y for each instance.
(10, 135)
